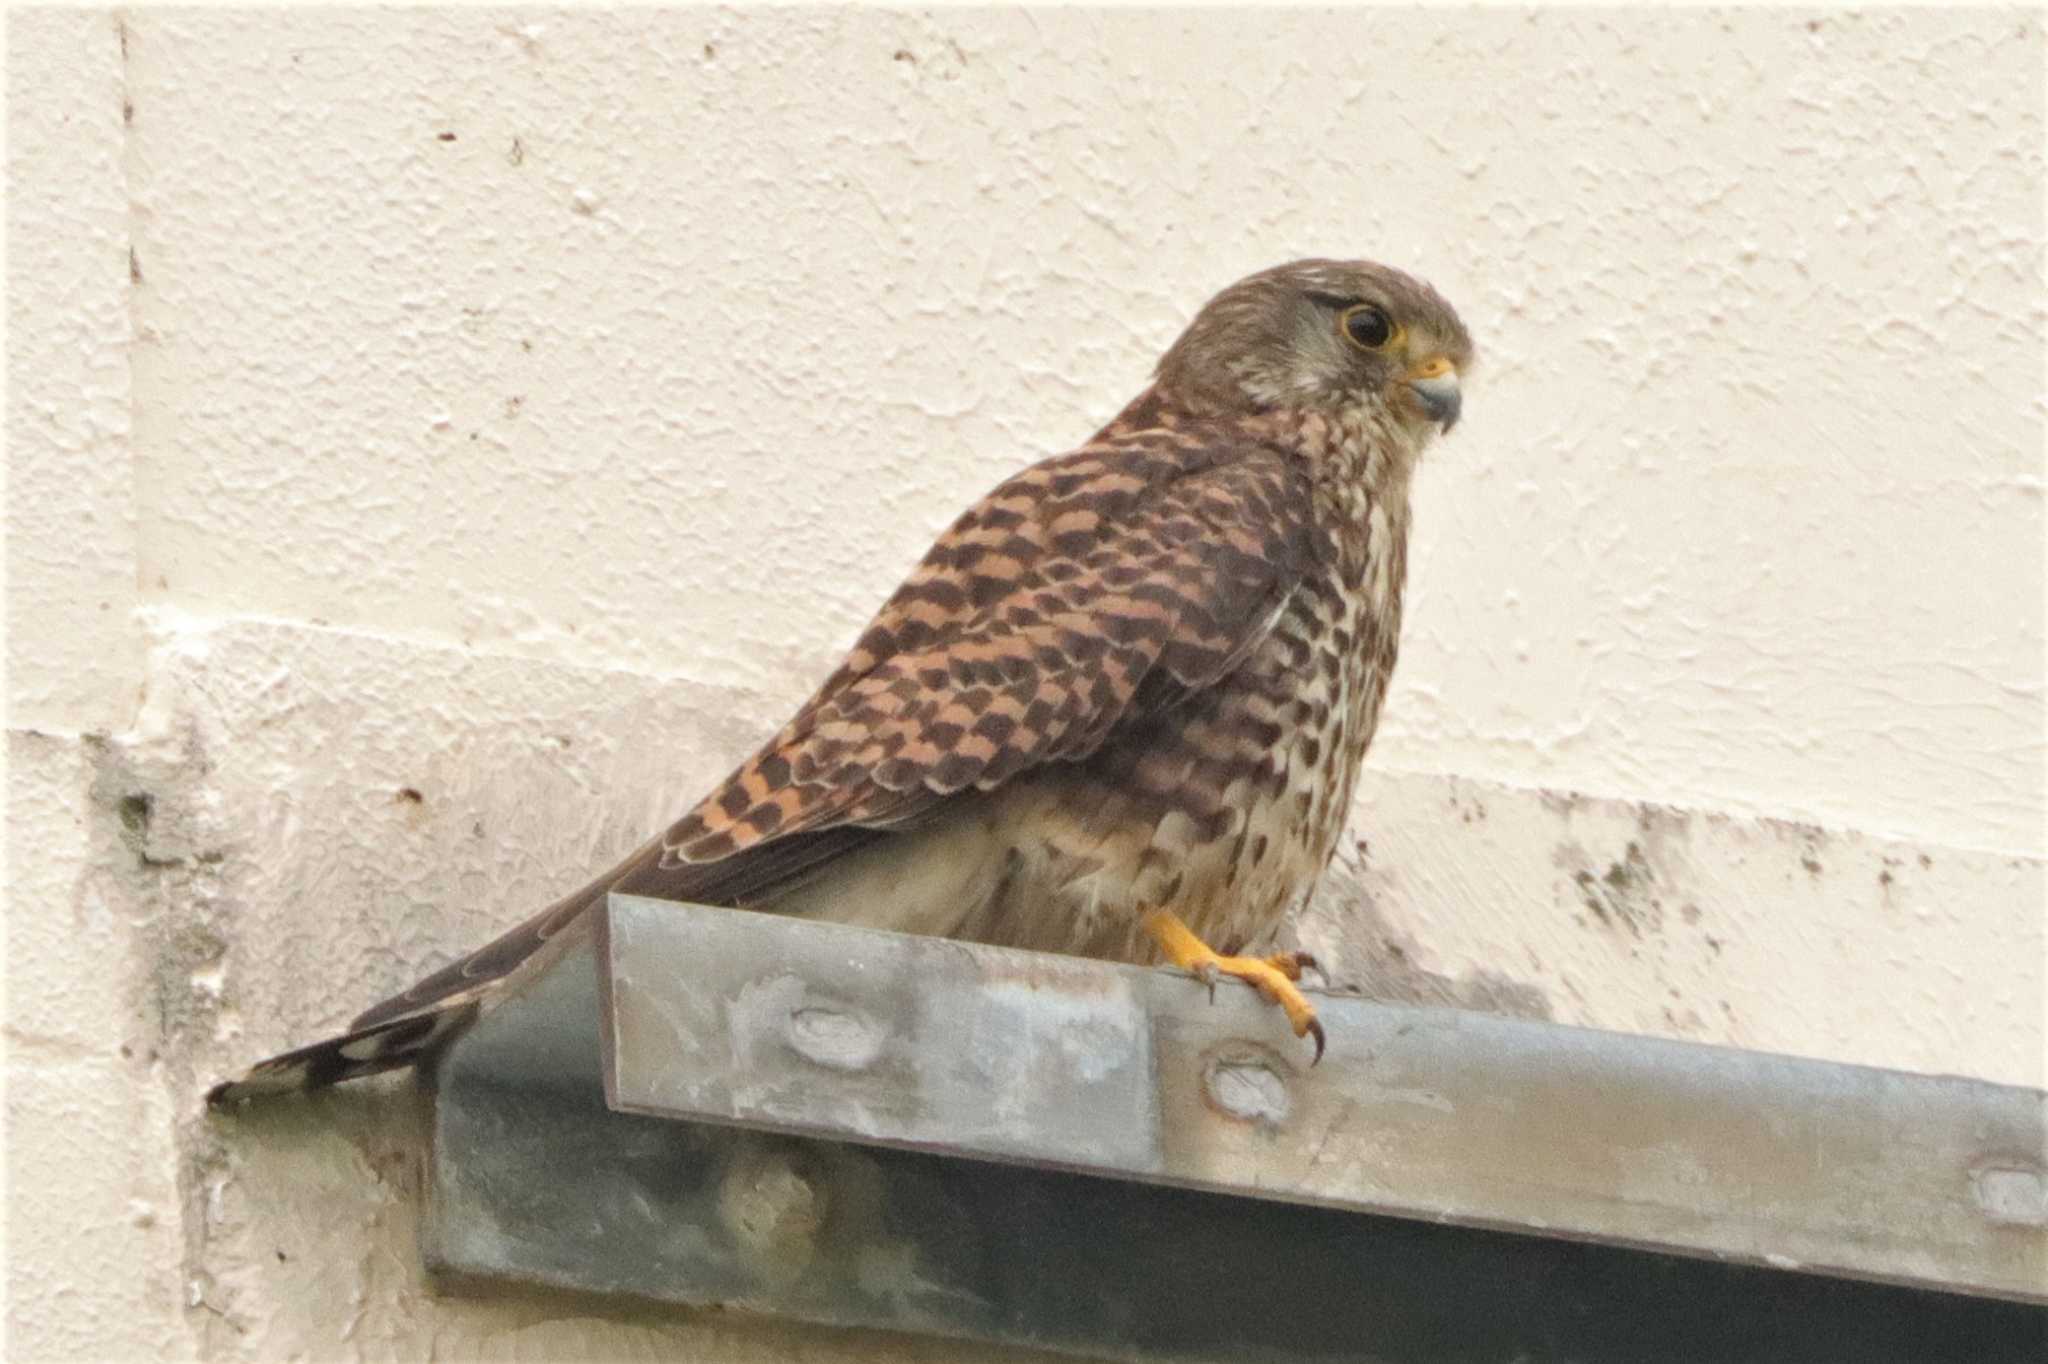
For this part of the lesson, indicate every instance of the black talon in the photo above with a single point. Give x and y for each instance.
(1315, 1027)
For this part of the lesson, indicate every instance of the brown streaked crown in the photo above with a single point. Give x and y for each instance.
(1276, 339)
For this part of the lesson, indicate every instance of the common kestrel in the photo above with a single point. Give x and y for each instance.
(1118, 709)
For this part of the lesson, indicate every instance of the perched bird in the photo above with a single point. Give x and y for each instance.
(1118, 709)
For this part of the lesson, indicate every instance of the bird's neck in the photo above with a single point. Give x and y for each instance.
(1354, 450)
(1360, 444)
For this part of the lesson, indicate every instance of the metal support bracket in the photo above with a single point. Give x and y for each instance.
(705, 1107)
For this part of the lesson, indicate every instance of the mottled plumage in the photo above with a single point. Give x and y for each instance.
(1138, 676)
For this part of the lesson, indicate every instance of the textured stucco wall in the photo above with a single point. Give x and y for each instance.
(522, 409)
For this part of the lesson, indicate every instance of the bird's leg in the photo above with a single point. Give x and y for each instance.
(1273, 976)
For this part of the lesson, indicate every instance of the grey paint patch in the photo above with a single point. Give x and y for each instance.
(1361, 952)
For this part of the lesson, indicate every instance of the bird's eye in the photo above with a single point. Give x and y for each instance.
(1369, 326)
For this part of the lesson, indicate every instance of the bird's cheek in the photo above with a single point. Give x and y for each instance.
(1402, 400)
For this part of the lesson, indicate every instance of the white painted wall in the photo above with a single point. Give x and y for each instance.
(525, 409)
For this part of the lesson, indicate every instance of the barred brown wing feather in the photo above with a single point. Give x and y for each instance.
(1116, 579)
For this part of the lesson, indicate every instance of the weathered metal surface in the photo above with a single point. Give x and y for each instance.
(873, 1042)
(1015, 1055)
(1437, 1115)
(541, 1187)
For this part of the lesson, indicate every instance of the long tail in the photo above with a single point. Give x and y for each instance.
(409, 1026)
(366, 1051)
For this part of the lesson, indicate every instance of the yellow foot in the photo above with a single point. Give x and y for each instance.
(1274, 976)
(1291, 964)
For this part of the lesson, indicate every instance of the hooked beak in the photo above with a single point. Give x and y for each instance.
(1435, 385)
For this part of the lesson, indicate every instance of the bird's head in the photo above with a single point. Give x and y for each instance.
(1325, 335)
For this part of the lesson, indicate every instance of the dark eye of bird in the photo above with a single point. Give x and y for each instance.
(1368, 326)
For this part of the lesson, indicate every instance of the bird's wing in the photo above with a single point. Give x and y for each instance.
(1086, 591)
(1113, 578)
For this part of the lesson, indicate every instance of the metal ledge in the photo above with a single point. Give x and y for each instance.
(1424, 1138)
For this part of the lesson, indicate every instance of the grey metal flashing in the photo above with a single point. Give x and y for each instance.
(1099, 1159)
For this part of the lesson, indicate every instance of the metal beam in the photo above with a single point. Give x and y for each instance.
(1435, 1114)
(1486, 1187)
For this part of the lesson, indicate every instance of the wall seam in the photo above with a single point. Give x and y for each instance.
(169, 909)
(140, 334)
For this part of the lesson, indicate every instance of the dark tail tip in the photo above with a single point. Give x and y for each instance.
(367, 1051)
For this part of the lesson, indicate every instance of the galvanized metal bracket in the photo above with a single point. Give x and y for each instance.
(847, 1126)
